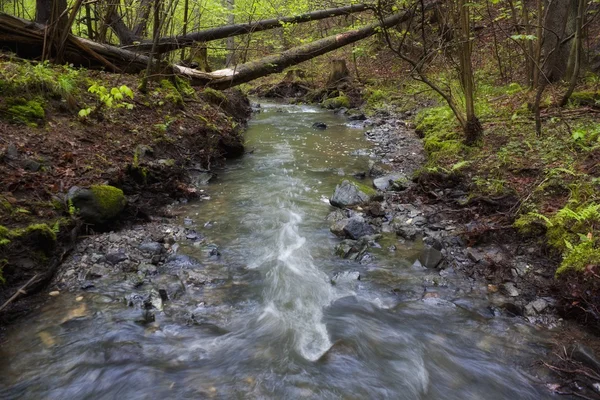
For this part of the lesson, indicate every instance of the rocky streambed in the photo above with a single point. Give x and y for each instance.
(249, 293)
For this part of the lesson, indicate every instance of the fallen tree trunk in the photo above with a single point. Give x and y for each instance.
(224, 79)
(26, 38)
(177, 42)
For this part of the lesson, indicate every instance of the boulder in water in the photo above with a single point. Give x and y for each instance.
(349, 194)
(320, 126)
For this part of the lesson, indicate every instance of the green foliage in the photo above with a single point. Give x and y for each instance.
(586, 135)
(29, 79)
(573, 231)
(109, 99)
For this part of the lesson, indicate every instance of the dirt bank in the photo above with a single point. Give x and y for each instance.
(64, 128)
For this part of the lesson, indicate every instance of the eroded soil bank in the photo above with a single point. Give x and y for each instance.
(64, 128)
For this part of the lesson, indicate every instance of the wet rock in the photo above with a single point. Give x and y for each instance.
(407, 232)
(96, 271)
(357, 227)
(151, 248)
(586, 356)
(351, 249)
(536, 307)
(319, 125)
(344, 249)
(212, 250)
(337, 228)
(433, 240)
(358, 116)
(366, 258)
(115, 258)
(171, 285)
(348, 194)
(386, 182)
(430, 257)
(474, 254)
(336, 215)
(346, 276)
(146, 301)
(179, 262)
(509, 289)
(200, 177)
(419, 221)
(148, 269)
(194, 236)
(520, 269)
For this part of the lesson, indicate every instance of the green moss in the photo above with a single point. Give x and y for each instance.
(214, 96)
(376, 98)
(27, 112)
(42, 230)
(40, 234)
(171, 92)
(585, 98)
(110, 199)
(366, 189)
(336, 102)
(4, 236)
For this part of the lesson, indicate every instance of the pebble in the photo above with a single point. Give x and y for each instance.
(54, 293)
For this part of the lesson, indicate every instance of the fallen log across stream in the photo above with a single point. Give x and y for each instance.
(27, 39)
(171, 43)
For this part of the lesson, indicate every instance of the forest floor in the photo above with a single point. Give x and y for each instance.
(64, 128)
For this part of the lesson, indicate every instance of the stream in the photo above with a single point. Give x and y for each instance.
(269, 323)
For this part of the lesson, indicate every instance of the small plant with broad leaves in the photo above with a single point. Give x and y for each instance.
(115, 98)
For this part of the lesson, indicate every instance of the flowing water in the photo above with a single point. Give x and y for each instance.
(273, 325)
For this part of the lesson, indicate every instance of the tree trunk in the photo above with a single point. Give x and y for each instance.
(559, 26)
(142, 18)
(472, 128)
(156, 35)
(577, 53)
(230, 60)
(177, 42)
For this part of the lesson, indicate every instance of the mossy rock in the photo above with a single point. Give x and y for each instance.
(350, 193)
(99, 204)
(28, 112)
(336, 102)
